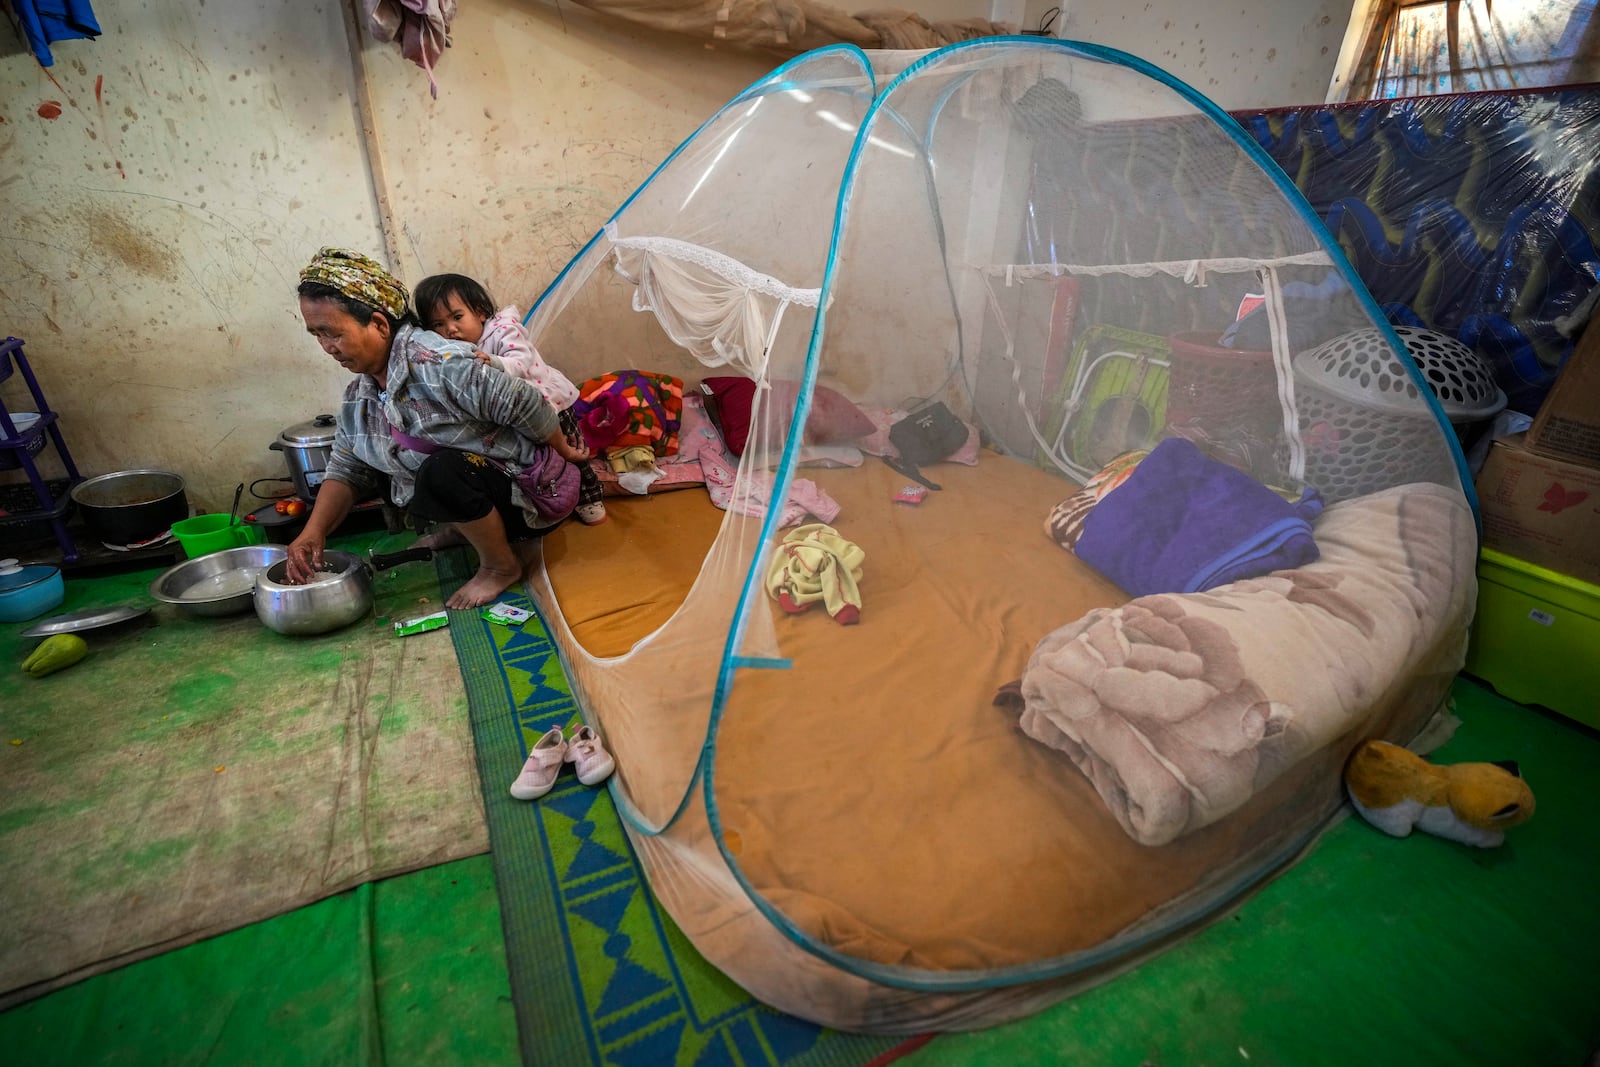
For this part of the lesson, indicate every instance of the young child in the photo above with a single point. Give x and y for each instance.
(459, 309)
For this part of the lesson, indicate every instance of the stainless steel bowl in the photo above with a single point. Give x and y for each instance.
(221, 583)
(340, 596)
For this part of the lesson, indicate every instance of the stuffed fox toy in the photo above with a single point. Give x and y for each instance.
(1473, 803)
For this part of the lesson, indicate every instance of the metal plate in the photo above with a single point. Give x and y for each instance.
(85, 619)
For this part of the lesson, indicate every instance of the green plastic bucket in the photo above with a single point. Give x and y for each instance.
(205, 534)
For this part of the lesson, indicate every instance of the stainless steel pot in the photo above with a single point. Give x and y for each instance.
(216, 584)
(341, 595)
(126, 507)
(307, 447)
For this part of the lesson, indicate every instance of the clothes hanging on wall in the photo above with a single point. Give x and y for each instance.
(422, 28)
(44, 22)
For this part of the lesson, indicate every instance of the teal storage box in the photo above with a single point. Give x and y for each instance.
(1536, 637)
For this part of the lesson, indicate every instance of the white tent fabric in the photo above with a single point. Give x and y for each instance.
(1063, 245)
(714, 307)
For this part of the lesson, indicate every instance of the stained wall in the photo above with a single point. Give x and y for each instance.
(1241, 53)
(162, 186)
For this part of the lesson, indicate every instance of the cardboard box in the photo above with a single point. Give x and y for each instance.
(1540, 509)
(1568, 424)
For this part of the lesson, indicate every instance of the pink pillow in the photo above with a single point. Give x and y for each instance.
(833, 419)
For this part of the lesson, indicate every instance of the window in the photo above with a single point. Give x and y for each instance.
(1425, 47)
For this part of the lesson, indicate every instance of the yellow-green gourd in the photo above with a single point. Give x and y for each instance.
(55, 653)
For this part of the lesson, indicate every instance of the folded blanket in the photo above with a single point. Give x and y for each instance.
(1180, 708)
(1183, 523)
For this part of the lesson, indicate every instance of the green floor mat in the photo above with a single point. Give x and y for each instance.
(599, 972)
(192, 775)
(406, 970)
(1373, 950)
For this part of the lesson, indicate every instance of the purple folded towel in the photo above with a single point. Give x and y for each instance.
(1182, 523)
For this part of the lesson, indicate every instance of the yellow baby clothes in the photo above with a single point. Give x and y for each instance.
(637, 458)
(814, 563)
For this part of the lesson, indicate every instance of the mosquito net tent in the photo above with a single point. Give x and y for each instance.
(1199, 527)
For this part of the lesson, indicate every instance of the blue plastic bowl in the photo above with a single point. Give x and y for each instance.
(29, 592)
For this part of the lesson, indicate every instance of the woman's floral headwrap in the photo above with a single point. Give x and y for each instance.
(358, 277)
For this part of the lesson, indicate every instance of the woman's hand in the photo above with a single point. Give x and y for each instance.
(334, 500)
(305, 556)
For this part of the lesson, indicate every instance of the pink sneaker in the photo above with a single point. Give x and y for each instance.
(589, 757)
(538, 775)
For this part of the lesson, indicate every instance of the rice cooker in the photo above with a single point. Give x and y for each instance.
(307, 447)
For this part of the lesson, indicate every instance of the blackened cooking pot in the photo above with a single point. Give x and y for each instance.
(126, 507)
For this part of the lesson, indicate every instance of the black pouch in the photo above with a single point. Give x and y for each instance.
(927, 435)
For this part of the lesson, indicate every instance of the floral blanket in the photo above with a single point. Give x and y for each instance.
(631, 409)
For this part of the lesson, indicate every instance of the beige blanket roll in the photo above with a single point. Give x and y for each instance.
(1180, 707)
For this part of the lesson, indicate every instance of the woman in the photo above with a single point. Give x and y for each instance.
(464, 445)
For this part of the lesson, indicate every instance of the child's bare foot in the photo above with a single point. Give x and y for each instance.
(484, 586)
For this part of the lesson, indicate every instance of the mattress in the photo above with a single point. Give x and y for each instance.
(622, 580)
(863, 789)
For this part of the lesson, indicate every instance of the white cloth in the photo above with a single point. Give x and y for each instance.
(639, 481)
(722, 311)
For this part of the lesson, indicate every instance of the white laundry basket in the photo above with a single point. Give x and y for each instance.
(1363, 420)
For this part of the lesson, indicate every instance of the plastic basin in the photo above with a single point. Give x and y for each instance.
(205, 534)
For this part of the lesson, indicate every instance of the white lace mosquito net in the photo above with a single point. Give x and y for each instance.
(1016, 765)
